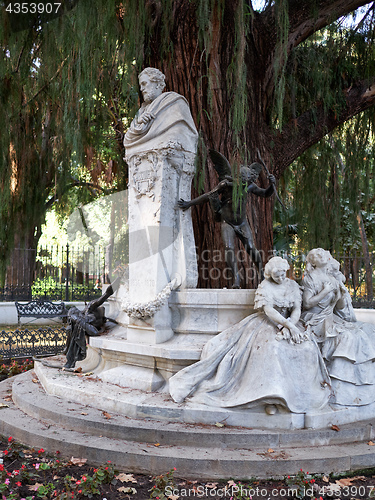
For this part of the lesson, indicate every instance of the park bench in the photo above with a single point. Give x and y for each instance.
(40, 308)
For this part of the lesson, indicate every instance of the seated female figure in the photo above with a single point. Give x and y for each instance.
(347, 345)
(266, 358)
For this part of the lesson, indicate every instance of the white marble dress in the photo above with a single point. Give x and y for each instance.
(251, 363)
(348, 346)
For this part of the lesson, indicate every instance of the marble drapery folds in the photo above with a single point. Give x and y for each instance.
(172, 123)
(251, 363)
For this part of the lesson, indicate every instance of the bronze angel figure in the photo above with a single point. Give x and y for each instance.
(232, 216)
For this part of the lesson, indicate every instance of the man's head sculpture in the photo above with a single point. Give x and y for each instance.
(154, 75)
(151, 83)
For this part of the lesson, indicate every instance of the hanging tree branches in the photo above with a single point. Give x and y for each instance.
(277, 80)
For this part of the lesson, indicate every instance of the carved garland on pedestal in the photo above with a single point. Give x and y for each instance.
(148, 309)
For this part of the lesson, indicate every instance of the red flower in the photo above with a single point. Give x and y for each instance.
(78, 482)
(10, 439)
(41, 450)
(84, 478)
(312, 481)
(5, 452)
(18, 483)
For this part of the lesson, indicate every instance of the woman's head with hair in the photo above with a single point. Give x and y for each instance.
(317, 257)
(275, 265)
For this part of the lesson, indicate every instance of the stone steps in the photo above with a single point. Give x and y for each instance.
(84, 418)
(154, 447)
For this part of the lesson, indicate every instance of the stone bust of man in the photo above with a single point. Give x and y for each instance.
(163, 120)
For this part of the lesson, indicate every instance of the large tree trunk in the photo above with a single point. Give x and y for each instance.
(239, 56)
(211, 107)
(20, 271)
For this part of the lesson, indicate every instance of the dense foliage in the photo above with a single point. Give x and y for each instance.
(60, 88)
(328, 190)
(330, 187)
(275, 79)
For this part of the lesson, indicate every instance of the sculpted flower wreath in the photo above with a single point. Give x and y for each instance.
(148, 309)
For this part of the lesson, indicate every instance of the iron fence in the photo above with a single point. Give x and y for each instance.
(360, 278)
(28, 343)
(77, 273)
(55, 273)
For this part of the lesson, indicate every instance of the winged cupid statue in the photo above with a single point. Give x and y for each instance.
(232, 217)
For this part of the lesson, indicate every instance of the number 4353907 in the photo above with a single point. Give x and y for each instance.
(33, 8)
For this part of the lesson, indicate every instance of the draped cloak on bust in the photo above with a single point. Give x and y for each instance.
(173, 124)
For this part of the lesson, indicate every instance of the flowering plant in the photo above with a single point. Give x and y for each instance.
(15, 367)
(161, 483)
(301, 483)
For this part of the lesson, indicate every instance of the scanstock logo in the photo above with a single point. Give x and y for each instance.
(32, 14)
(104, 223)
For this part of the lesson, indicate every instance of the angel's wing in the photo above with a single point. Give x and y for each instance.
(221, 164)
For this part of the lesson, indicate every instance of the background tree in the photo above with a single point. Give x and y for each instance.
(329, 192)
(59, 108)
(277, 80)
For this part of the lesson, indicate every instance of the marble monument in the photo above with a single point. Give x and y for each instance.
(278, 357)
(160, 148)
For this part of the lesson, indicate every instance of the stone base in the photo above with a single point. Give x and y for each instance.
(146, 379)
(209, 311)
(140, 366)
(209, 452)
(149, 335)
(339, 415)
(131, 356)
(159, 405)
(132, 377)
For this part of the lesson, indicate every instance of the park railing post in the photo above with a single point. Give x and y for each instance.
(67, 274)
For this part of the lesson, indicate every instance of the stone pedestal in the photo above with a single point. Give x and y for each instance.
(161, 239)
(196, 315)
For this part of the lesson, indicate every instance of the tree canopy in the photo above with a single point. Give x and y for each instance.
(275, 80)
(328, 188)
(59, 81)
